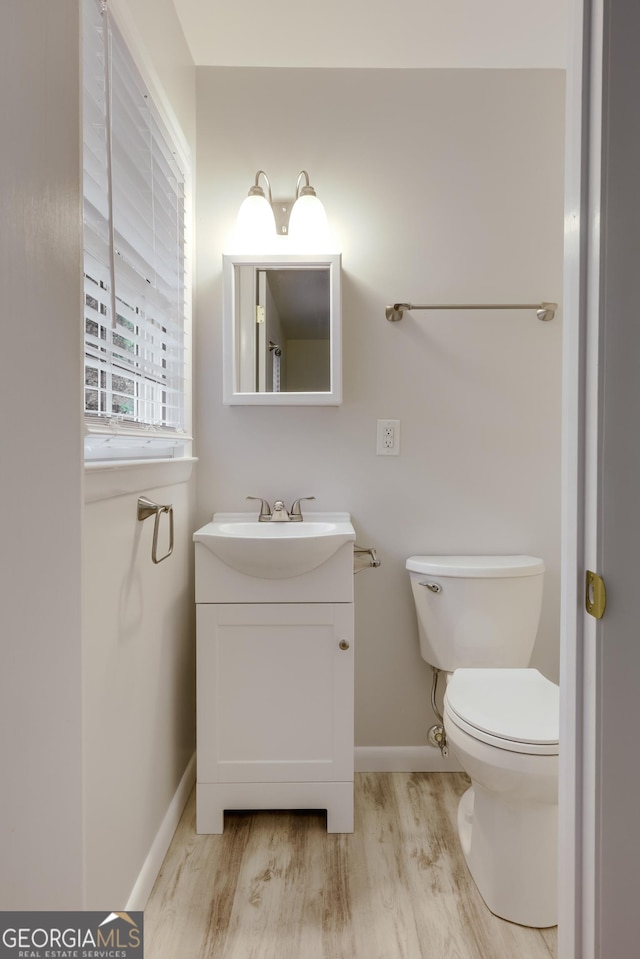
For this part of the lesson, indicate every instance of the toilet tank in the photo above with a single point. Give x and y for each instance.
(477, 611)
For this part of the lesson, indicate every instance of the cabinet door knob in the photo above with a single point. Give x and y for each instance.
(343, 644)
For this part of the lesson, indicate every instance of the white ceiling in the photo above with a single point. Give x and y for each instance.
(376, 33)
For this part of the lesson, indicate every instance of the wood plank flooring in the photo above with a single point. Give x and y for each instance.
(275, 885)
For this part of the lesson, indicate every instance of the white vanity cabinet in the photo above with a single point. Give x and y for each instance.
(275, 691)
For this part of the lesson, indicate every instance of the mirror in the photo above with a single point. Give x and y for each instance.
(282, 330)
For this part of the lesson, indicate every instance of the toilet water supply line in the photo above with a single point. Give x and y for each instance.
(437, 735)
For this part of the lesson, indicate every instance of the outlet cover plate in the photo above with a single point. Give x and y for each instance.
(388, 438)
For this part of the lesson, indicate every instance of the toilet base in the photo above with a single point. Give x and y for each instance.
(511, 851)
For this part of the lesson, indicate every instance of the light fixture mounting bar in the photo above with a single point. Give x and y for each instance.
(282, 212)
(544, 311)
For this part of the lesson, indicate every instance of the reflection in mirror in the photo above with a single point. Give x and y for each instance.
(292, 331)
(282, 325)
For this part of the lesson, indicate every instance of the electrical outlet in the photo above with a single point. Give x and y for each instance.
(388, 438)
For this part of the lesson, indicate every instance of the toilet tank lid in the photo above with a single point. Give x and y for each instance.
(476, 566)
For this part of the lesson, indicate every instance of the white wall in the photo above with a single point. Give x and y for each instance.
(139, 649)
(442, 185)
(139, 681)
(96, 715)
(40, 464)
(309, 365)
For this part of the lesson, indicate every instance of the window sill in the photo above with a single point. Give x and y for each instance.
(108, 479)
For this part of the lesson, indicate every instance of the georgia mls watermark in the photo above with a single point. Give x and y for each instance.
(71, 935)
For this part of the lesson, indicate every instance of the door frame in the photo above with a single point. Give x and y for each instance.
(581, 341)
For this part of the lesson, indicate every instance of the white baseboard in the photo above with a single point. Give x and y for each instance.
(149, 872)
(404, 759)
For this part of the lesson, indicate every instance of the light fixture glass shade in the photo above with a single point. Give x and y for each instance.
(256, 225)
(308, 224)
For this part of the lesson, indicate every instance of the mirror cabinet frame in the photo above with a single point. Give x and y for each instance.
(233, 333)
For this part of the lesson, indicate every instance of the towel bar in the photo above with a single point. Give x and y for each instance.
(147, 508)
(544, 311)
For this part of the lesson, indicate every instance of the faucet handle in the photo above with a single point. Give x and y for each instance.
(265, 509)
(295, 512)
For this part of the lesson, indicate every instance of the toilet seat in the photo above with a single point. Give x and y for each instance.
(512, 709)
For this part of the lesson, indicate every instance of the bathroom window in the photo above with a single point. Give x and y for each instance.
(135, 306)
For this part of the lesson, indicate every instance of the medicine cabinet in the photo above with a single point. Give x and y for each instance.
(282, 330)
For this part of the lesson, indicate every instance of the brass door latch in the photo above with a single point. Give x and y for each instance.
(596, 595)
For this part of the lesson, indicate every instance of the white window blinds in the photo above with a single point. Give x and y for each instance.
(134, 242)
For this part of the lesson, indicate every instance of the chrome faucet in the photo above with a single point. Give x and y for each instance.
(279, 514)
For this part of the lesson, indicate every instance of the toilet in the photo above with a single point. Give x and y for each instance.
(477, 621)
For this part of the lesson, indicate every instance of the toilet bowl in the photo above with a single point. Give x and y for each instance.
(477, 622)
(502, 724)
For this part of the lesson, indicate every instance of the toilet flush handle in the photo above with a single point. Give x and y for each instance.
(434, 587)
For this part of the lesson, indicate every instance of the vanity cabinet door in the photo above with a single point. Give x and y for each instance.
(275, 692)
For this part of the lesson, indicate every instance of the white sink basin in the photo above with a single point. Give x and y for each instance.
(275, 550)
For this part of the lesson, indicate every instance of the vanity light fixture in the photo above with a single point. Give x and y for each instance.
(308, 224)
(256, 224)
(303, 220)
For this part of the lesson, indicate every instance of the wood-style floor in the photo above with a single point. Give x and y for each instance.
(275, 885)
